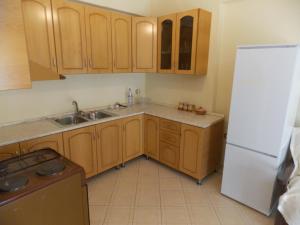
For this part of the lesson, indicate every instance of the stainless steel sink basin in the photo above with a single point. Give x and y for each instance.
(96, 115)
(70, 120)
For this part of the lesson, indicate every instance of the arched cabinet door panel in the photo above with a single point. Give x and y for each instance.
(9, 151)
(37, 16)
(166, 43)
(98, 34)
(109, 145)
(144, 44)
(132, 137)
(70, 39)
(121, 43)
(80, 147)
(151, 136)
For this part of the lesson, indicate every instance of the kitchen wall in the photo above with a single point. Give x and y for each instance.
(51, 97)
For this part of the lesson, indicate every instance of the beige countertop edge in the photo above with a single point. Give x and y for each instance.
(59, 128)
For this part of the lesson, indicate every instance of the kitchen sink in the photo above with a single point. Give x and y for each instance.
(70, 120)
(82, 117)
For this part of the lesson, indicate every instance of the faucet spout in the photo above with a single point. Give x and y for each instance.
(76, 107)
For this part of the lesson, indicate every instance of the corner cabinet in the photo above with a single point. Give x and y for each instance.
(151, 136)
(132, 137)
(70, 38)
(144, 44)
(109, 145)
(98, 35)
(166, 43)
(37, 16)
(80, 147)
(121, 43)
(14, 66)
(183, 42)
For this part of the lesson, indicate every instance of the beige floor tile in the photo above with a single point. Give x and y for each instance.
(219, 200)
(170, 183)
(97, 214)
(167, 172)
(203, 215)
(175, 215)
(196, 197)
(256, 218)
(147, 215)
(231, 216)
(172, 198)
(123, 197)
(101, 196)
(119, 215)
(148, 197)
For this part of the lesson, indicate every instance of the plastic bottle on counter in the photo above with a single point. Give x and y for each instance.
(130, 97)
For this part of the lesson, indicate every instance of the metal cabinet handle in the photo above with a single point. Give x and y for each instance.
(53, 62)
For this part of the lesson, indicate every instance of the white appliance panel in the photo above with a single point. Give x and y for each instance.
(249, 178)
(260, 96)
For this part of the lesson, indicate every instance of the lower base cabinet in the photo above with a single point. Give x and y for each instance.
(109, 145)
(132, 137)
(151, 136)
(169, 154)
(80, 147)
(9, 151)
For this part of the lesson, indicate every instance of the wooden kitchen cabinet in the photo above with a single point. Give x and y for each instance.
(54, 142)
(121, 42)
(37, 16)
(14, 65)
(133, 136)
(200, 149)
(109, 145)
(144, 44)
(166, 43)
(9, 151)
(98, 35)
(151, 136)
(70, 38)
(80, 147)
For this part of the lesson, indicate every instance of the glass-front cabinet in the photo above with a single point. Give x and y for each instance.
(186, 41)
(166, 43)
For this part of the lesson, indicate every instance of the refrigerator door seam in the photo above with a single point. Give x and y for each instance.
(252, 150)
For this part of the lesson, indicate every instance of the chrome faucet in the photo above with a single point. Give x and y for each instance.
(77, 112)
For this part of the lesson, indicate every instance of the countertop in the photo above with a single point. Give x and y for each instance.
(45, 126)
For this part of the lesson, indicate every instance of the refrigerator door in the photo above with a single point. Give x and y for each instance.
(249, 178)
(260, 96)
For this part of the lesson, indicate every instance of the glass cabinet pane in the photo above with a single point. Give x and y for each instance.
(185, 43)
(166, 45)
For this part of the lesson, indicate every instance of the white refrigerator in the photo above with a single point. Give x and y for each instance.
(264, 102)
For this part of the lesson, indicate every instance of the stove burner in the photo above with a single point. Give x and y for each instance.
(3, 168)
(50, 168)
(13, 183)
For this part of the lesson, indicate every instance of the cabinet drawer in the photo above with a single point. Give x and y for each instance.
(169, 154)
(170, 125)
(170, 138)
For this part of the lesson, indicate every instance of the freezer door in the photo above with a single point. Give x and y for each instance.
(249, 178)
(260, 96)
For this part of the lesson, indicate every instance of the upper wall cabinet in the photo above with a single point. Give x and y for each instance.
(70, 39)
(183, 42)
(40, 39)
(14, 66)
(98, 34)
(144, 41)
(166, 43)
(121, 42)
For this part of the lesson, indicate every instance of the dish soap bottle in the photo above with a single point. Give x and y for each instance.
(130, 97)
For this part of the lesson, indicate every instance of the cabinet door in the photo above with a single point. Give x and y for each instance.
(121, 42)
(186, 41)
(38, 24)
(190, 150)
(109, 145)
(166, 43)
(169, 154)
(9, 151)
(144, 44)
(52, 141)
(151, 136)
(80, 147)
(70, 40)
(98, 34)
(14, 66)
(132, 137)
